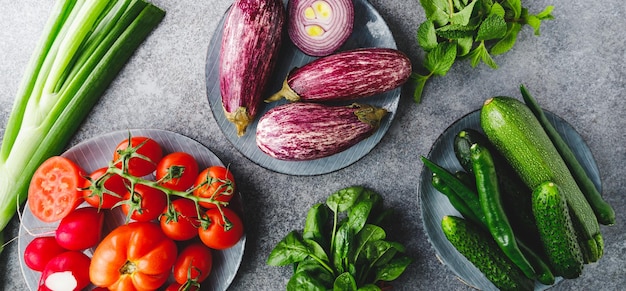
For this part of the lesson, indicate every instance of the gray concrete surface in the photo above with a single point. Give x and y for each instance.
(575, 69)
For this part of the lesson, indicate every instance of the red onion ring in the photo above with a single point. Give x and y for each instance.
(320, 27)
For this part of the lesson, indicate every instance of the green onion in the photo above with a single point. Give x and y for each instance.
(84, 45)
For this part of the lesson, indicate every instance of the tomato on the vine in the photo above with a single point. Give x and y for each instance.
(145, 203)
(180, 220)
(104, 195)
(221, 232)
(177, 171)
(134, 256)
(193, 264)
(215, 182)
(54, 189)
(174, 286)
(140, 154)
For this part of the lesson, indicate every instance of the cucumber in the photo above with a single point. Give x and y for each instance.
(557, 231)
(519, 137)
(477, 245)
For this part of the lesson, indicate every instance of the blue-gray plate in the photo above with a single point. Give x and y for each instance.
(434, 205)
(370, 30)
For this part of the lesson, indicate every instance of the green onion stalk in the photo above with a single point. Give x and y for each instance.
(84, 45)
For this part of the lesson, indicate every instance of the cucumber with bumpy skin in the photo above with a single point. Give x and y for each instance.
(477, 245)
(519, 137)
(557, 231)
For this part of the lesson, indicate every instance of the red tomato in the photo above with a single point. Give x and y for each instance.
(146, 203)
(67, 271)
(180, 220)
(134, 256)
(80, 229)
(221, 233)
(177, 171)
(40, 251)
(54, 189)
(193, 264)
(215, 182)
(140, 154)
(106, 194)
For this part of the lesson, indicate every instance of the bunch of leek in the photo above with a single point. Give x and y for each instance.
(84, 45)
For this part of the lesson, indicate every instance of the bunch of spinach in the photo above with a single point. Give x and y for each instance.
(469, 29)
(342, 245)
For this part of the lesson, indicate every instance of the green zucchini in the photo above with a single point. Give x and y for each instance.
(518, 136)
(603, 210)
(557, 231)
(477, 245)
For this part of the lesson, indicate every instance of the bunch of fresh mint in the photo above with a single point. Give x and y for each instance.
(469, 29)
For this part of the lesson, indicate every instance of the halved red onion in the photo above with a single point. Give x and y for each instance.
(320, 27)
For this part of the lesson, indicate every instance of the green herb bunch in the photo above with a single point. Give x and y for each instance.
(342, 245)
(466, 29)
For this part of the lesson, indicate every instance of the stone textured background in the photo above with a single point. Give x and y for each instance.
(575, 69)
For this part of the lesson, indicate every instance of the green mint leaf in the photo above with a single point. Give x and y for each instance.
(463, 17)
(480, 53)
(420, 83)
(497, 9)
(507, 42)
(436, 11)
(441, 58)
(426, 35)
(546, 14)
(455, 31)
(515, 6)
(464, 45)
(492, 27)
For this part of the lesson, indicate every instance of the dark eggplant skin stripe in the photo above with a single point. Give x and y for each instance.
(252, 35)
(301, 131)
(351, 74)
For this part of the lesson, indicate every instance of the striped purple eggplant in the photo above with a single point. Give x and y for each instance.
(300, 131)
(251, 39)
(346, 75)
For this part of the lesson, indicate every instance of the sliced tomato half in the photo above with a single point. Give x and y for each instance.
(54, 189)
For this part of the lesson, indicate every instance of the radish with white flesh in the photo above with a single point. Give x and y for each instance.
(251, 39)
(347, 75)
(68, 271)
(320, 27)
(303, 131)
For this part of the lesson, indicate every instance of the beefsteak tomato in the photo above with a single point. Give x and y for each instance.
(134, 256)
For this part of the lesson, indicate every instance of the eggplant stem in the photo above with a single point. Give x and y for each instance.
(285, 92)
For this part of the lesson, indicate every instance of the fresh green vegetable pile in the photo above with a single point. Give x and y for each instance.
(527, 212)
(469, 29)
(83, 46)
(342, 246)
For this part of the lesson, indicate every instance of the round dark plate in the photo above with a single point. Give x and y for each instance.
(370, 30)
(97, 152)
(435, 205)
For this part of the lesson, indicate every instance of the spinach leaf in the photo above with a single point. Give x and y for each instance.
(289, 250)
(393, 269)
(345, 282)
(302, 281)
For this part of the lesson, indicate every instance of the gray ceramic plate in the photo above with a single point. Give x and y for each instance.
(370, 30)
(435, 205)
(97, 152)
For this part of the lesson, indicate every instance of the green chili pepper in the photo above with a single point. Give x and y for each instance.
(456, 201)
(491, 204)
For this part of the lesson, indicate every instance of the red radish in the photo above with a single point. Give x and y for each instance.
(80, 229)
(66, 272)
(40, 251)
(320, 27)
(346, 75)
(251, 40)
(301, 131)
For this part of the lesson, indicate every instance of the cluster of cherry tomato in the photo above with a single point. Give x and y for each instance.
(176, 215)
